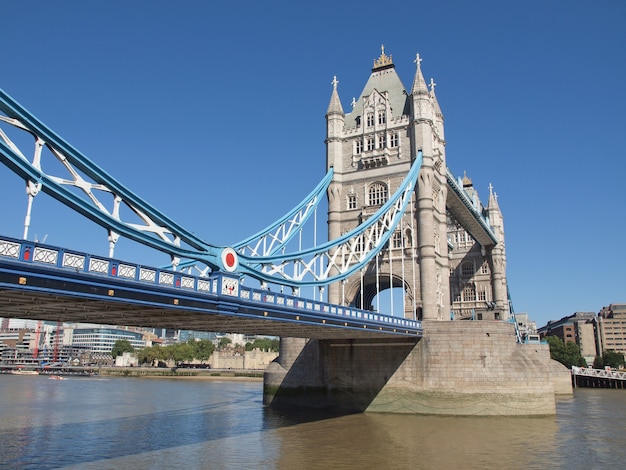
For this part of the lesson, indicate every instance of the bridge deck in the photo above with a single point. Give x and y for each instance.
(94, 290)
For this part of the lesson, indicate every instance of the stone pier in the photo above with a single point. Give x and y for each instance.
(457, 368)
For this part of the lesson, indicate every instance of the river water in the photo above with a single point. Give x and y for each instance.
(131, 423)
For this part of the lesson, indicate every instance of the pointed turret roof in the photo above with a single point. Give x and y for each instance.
(334, 107)
(434, 98)
(493, 199)
(384, 78)
(419, 84)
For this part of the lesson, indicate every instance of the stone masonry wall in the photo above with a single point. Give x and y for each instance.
(458, 368)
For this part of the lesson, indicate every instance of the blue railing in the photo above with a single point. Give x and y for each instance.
(216, 284)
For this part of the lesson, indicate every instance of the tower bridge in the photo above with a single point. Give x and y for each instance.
(397, 219)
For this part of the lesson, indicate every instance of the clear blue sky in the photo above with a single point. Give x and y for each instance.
(212, 109)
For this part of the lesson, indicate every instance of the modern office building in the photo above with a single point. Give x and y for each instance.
(611, 328)
(101, 340)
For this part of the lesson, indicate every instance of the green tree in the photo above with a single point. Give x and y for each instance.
(609, 358)
(203, 349)
(264, 344)
(223, 342)
(181, 352)
(150, 354)
(567, 354)
(120, 347)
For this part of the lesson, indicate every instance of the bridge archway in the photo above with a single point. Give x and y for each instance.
(384, 293)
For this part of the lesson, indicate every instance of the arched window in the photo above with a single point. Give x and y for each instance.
(408, 237)
(377, 194)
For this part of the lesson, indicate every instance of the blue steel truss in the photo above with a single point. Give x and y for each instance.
(93, 193)
(158, 230)
(337, 259)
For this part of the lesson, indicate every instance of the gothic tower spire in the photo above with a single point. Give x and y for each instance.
(334, 107)
(419, 84)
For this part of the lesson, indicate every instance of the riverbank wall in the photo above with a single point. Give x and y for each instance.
(178, 372)
(457, 368)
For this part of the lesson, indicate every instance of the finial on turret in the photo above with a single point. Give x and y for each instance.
(466, 180)
(432, 85)
(335, 82)
(384, 60)
(418, 60)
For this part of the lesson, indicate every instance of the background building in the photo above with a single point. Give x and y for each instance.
(611, 328)
(594, 334)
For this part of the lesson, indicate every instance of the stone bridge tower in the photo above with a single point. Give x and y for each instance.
(449, 262)
(371, 149)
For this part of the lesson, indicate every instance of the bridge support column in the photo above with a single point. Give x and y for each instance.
(286, 381)
(458, 368)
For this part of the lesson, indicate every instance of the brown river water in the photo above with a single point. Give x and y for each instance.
(131, 423)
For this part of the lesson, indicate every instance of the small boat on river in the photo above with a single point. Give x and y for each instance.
(24, 372)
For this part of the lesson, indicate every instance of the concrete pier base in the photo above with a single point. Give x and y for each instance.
(458, 368)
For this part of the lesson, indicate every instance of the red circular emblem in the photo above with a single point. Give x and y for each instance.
(230, 260)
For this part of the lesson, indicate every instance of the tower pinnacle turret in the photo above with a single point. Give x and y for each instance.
(419, 84)
(334, 107)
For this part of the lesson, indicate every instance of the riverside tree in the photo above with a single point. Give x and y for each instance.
(567, 354)
(120, 347)
(610, 358)
(264, 344)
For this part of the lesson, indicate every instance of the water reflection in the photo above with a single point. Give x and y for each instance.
(162, 423)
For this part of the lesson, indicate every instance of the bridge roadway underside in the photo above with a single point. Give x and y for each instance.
(78, 299)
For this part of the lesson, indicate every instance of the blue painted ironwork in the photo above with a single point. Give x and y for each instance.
(221, 292)
(338, 259)
(271, 239)
(160, 232)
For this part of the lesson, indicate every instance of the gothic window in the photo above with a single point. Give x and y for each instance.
(370, 119)
(393, 140)
(370, 144)
(484, 269)
(377, 194)
(397, 240)
(358, 147)
(467, 268)
(352, 201)
(482, 296)
(382, 117)
(408, 237)
(381, 141)
(469, 293)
